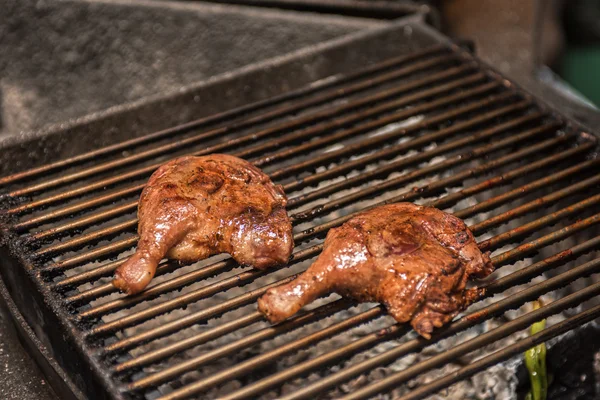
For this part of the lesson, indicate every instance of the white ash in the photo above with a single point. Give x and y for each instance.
(397, 125)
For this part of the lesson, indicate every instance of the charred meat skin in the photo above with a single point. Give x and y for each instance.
(195, 207)
(415, 260)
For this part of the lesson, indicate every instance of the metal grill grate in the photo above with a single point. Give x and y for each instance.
(432, 127)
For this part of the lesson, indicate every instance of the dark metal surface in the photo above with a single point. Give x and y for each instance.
(107, 53)
(495, 141)
(23, 376)
(20, 377)
(371, 9)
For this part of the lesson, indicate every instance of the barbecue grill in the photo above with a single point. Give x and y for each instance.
(396, 113)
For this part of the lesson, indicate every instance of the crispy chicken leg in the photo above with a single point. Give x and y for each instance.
(415, 260)
(195, 207)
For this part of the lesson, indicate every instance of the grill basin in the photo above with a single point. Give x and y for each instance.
(424, 121)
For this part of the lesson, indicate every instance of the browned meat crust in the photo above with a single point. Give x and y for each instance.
(195, 207)
(415, 260)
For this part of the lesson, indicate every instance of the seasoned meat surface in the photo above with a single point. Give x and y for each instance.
(195, 207)
(415, 260)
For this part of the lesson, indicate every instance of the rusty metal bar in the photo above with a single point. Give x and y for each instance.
(553, 237)
(309, 132)
(490, 289)
(469, 155)
(540, 183)
(388, 168)
(466, 322)
(203, 315)
(91, 274)
(491, 222)
(504, 178)
(83, 222)
(481, 340)
(195, 295)
(394, 150)
(263, 359)
(256, 337)
(506, 353)
(188, 298)
(453, 198)
(330, 156)
(533, 226)
(263, 117)
(81, 240)
(77, 207)
(318, 177)
(189, 342)
(419, 192)
(306, 253)
(94, 254)
(352, 149)
(151, 292)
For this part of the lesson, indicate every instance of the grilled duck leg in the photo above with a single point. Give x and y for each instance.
(415, 260)
(195, 207)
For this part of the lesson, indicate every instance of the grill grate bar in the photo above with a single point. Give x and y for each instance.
(81, 240)
(191, 319)
(225, 306)
(263, 117)
(232, 281)
(259, 336)
(393, 166)
(352, 149)
(167, 351)
(469, 320)
(91, 255)
(437, 167)
(377, 172)
(542, 201)
(260, 360)
(385, 126)
(338, 170)
(523, 322)
(344, 167)
(540, 183)
(506, 353)
(84, 221)
(463, 323)
(533, 226)
(372, 111)
(129, 242)
(504, 178)
(419, 192)
(77, 207)
(553, 237)
(161, 376)
(297, 122)
(306, 133)
(394, 150)
(502, 331)
(453, 198)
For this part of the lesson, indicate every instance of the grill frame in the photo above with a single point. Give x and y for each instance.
(42, 303)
